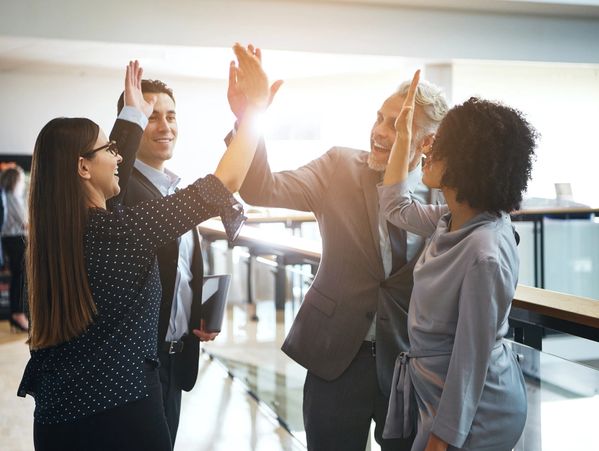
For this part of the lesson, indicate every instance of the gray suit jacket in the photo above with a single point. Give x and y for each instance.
(350, 286)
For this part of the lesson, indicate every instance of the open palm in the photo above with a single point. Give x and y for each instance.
(133, 94)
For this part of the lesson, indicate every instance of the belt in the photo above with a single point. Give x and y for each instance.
(173, 347)
(402, 402)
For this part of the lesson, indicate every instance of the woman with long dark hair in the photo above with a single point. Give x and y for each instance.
(94, 290)
(460, 385)
(14, 230)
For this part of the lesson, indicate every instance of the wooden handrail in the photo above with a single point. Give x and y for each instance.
(555, 211)
(253, 236)
(575, 309)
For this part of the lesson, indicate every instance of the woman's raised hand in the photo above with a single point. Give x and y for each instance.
(399, 160)
(133, 95)
(251, 79)
(403, 122)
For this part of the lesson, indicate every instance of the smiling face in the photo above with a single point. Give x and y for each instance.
(160, 136)
(100, 172)
(383, 135)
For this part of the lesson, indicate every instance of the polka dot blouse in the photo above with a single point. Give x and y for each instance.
(103, 367)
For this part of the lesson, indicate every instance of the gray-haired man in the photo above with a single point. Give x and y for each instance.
(353, 321)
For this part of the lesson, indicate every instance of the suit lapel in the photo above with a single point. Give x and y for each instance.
(197, 271)
(149, 186)
(369, 180)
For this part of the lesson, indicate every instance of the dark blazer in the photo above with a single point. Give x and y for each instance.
(350, 286)
(141, 189)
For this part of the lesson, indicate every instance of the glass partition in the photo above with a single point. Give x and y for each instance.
(563, 396)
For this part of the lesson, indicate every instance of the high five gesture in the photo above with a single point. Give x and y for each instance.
(397, 169)
(133, 94)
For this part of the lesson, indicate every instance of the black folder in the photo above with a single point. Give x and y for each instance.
(214, 300)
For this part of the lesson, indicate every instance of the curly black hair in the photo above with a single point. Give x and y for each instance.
(488, 150)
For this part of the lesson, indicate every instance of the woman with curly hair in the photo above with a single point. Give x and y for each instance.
(459, 381)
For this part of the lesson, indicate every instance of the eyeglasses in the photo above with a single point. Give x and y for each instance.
(110, 147)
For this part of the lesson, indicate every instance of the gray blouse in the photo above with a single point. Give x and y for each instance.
(462, 378)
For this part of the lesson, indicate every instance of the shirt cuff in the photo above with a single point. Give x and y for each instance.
(132, 114)
(229, 209)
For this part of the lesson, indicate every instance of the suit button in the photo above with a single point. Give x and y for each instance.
(383, 284)
(370, 315)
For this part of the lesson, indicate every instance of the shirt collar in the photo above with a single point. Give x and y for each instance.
(165, 181)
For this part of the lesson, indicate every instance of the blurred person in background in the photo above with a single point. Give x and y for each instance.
(14, 230)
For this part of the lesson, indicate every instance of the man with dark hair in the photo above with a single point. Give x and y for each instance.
(180, 262)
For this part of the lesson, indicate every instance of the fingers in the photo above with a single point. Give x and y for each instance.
(411, 96)
(251, 55)
(128, 75)
(232, 73)
(274, 88)
(251, 79)
(255, 51)
(205, 336)
(249, 65)
(140, 73)
(403, 121)
(242, 56)
(133, 74)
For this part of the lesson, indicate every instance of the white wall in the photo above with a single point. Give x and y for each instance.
(312, 114)
(562, 102)
(307, 117)
(33, 98)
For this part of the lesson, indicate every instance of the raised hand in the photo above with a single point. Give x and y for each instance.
(403, 122)
(133, 95)
(397, 167)
(236, 97)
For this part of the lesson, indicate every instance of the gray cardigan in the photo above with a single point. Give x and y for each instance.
(465, 381)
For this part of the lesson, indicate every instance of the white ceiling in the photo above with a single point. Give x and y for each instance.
(576, 8)
(337, 45)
